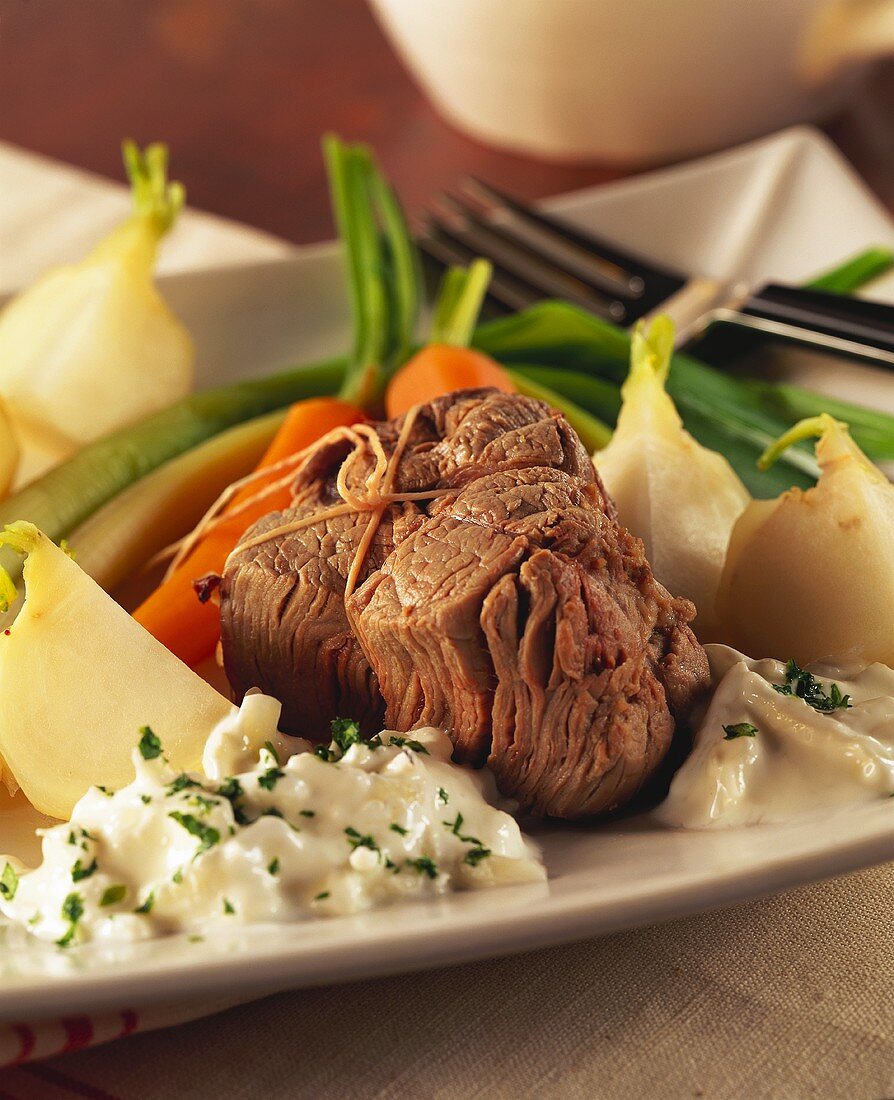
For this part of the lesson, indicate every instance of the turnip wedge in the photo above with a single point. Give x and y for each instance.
(679, 497)
(92, 346)
(810, 575)
(9, 452)
(79, 679)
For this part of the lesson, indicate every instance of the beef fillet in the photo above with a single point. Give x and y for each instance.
(509, 607)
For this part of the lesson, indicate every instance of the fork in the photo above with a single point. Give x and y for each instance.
(536, 256)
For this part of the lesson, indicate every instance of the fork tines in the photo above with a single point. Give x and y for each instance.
(537, 256)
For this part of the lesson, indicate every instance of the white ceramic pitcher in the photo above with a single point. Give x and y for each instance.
(634, 81)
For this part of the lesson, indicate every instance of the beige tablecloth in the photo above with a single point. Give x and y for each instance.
(790, 997)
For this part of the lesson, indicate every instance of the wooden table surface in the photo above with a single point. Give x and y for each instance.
(242, 89)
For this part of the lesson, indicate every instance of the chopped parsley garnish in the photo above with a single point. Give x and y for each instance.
(308, 813)
(181, 783)
(322, 896)
(405, 742)
(79, 872)
(228, 907)
(196, 939)
(113, 895)
(739, 729)
(177, 877)
(231, 790)
(424, 866)
(105, 790)
(455, 826)
(270, 747)
(273, 867)
(395, 828)
(805, 686)
(476, 855)
(345, 733)
(390, 865)
(145, 799)
(150, 745)
(443, 796)
(205, 833)
(72, 911)
(146, 907)
(357, 841)
(9, 882)
(270, 778)
(204, 803)
(272, 811)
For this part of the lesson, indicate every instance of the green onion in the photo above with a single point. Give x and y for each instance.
(855, 272)
(67, 495)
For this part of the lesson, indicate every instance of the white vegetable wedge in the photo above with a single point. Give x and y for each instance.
(810, 575)
(9, 452)
(79, 678)
(92, 346)
(679, 497)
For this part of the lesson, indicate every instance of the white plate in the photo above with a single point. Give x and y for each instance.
(783, 208)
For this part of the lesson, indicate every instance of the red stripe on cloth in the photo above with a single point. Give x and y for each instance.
(28, 1040)
(78, 1033)
(130, 1021)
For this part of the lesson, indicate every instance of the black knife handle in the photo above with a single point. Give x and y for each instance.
(859, 320)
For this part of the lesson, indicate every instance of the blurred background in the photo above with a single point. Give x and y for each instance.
(242, 90)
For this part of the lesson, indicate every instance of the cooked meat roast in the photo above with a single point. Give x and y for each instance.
(463, 567)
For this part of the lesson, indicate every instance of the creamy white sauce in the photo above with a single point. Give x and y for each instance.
(799, 760)
(300, 838)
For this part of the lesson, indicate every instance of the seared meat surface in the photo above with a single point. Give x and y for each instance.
(501, 602)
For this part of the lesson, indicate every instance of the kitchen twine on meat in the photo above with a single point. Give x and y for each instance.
(376, 495)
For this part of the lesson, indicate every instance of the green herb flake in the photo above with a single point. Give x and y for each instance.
(345, 733)
(196, 939)
(273, 867)
(740, 729)
(145, 799)
(443, 796)
(424, 866)
(356, 840)
(9, 882)
(105, 790)
(79, 872)
(112, 896)
(228, 907)
(804, 685)
(147, 905)
(180, 784)
(405, 742)
(456, 826)
(177, 877)
(270, 747)
(150, 745)
(207, 836)
(395, 828)
(322, 896)
(203, 803)
(476, 855)
(72, 911)
(270, 778)
(308, 813)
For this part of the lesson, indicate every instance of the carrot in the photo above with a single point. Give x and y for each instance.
(447, 363)
(173, 613)
(442, 368)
